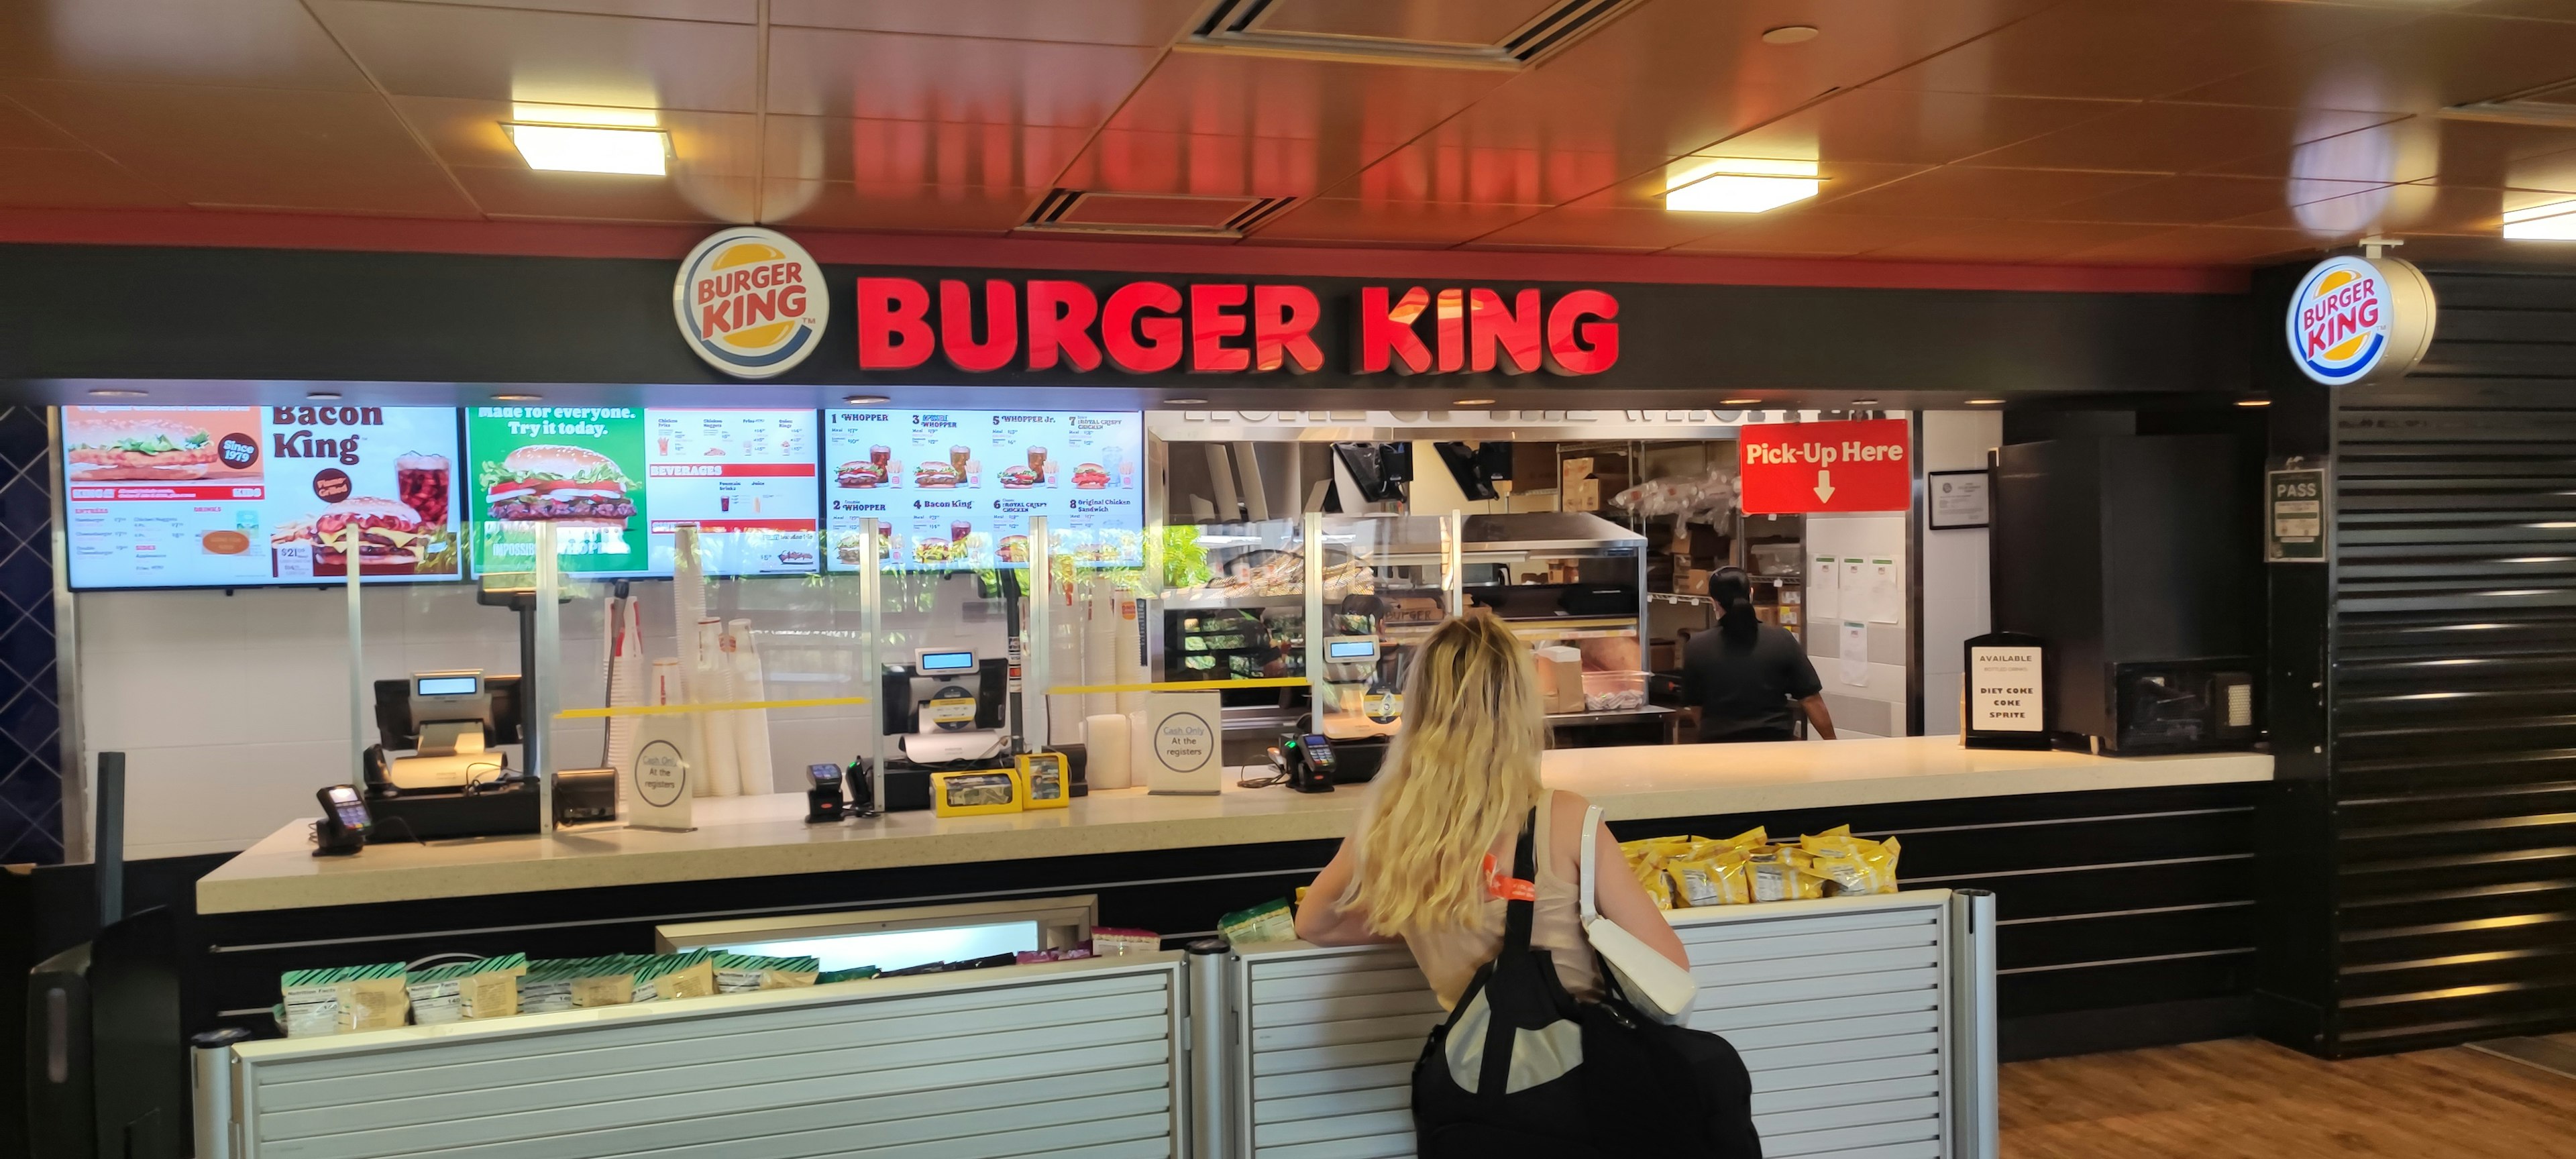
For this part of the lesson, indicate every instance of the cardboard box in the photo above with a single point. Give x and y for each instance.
(1691, 581)
(1560, 679)
(1579, 468)
(1582, 495)
(1665, 655)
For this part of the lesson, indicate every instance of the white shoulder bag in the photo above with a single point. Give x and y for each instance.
(1654, 985)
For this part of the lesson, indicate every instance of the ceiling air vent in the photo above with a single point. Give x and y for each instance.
(2552, 105)
(1458, 33)
(1152, 214)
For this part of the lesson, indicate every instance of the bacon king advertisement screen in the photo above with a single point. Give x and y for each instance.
(245, 496)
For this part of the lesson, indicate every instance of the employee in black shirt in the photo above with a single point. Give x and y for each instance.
(1744, 674)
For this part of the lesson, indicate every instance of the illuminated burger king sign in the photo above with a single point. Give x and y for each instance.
(751, 302)
(2357, 319)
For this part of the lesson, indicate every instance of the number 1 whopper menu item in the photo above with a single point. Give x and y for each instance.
(241, 495)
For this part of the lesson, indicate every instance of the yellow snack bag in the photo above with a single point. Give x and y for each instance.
(1776, 877)
(1857, 864)
(1750, 839)
(1718, 879)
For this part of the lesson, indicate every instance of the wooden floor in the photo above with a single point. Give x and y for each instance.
(2247, 1099)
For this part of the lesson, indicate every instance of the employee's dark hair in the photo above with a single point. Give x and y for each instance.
(1732, 591)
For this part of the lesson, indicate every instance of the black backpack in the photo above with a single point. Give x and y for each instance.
(1522, 1068)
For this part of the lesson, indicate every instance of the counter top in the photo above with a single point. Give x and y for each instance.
(766, 836)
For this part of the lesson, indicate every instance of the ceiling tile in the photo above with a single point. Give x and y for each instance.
(2016, 241)
(73, 179)
(20, 129)
(2419, 67)
(2504, 156)
(1904, 126)
(1815, 234)
(524, 192)
(1324, 100)
(2136, 49)
(2533, 9)
(889, 76)
(2204, 245)
(1333, 219)
(2408, 150)
(904, 154)
(506, 54)
(1152, 23)
(1963, 192)
(1602, 227)
(931, 208)
(306, 150)
(463, 132)
(2199, 200)
(2173, 138)
(1210, 165)
(2404, 209)
(721, 11)
(266, 43)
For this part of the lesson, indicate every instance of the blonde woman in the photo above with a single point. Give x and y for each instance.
(1443, 815)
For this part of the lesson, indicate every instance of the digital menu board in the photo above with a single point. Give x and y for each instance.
(241, 496)
(615, 481)
(956, 488)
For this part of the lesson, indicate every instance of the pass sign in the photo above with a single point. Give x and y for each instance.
(1855, 465)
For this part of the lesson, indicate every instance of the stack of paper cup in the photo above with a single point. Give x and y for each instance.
(750, 725)
(1106, 763)
(711, 682)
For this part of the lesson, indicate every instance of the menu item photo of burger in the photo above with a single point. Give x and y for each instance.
(937, 473)
(859, 473)
(1090, 477)
(573, 486)
(154, 449)
(388, 535)
(852, 546)
(1018, 477)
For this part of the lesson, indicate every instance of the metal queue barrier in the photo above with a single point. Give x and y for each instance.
(1867, 1021)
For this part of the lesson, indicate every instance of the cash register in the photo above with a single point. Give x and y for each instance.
(438, 770)
(943, 712)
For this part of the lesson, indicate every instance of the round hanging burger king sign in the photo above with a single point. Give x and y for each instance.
(2355, 319)
(751, 302)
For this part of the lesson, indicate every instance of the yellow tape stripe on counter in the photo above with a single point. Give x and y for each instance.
(1181, 685)
(677, 709)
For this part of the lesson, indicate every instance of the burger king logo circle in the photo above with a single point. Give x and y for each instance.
(2342, 320)
(751, 302)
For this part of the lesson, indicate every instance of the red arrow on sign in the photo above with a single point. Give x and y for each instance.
(1799, 468)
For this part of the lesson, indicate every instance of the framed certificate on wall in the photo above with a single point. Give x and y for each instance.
(1955, 499)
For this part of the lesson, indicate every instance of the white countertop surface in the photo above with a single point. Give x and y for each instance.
(767, 836)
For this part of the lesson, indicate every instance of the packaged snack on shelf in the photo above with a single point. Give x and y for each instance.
(346, 999)
(743, 973)
(547, 986)
(1026, 957)
(608, 980)
(441, 994)
(1268, 922)
(853, 974)
(1856, 864)
(662, 977)
(1778, 875)
(1109, 941)
(1718, 877)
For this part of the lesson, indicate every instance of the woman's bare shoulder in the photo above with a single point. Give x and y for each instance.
(1569, 807)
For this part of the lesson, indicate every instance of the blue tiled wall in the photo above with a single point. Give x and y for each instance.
(31, 774)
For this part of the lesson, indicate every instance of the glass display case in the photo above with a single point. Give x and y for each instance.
(1377, 588)
(1573, 586)
(1232, 610)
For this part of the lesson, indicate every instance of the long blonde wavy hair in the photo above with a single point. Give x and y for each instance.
(1461, 773)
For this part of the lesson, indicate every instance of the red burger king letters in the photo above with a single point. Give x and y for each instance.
(1149, 327)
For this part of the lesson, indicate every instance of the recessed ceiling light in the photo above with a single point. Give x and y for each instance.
(1738, 184)
(1473, 402)
(1789, 34)
(1185, 402)
(1985, 402)
(865, 399)
(2555, 221)
(322, 394)
(2253, 402)
(104, 392)
(1738, 401)
(591, 149)
(517, 397)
